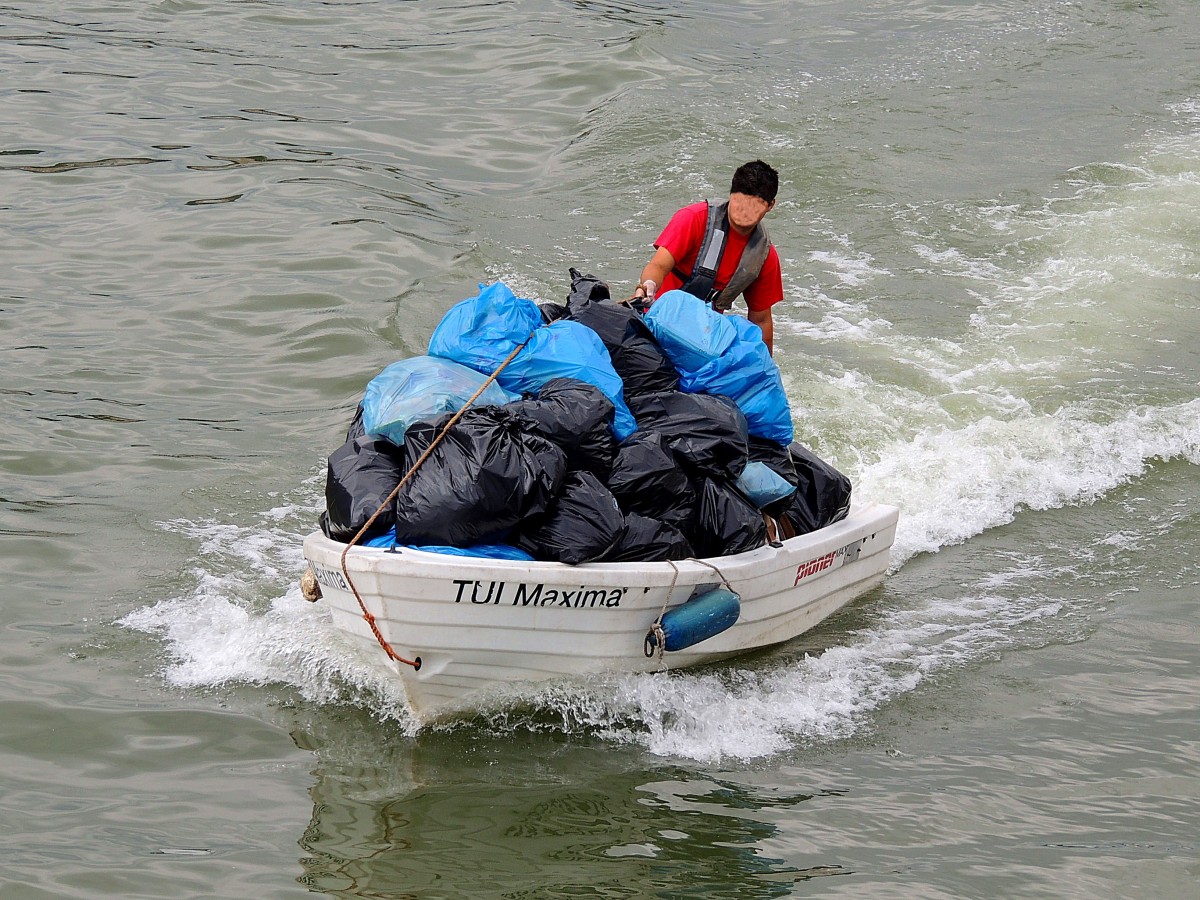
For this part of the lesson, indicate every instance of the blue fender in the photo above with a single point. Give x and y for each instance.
(697, 620)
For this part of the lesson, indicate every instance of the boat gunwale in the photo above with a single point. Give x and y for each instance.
(761, 560)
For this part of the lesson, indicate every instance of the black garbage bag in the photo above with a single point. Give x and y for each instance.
(356, 428)
(706, 432)
(487, 474)
(635, 353)
(649, 540)
(822, 494)
(646, 480)
(552, 312)
(773, 454)
(725, 522)
(361, 475)
(586, 287)
(582, 524)
(576, 416)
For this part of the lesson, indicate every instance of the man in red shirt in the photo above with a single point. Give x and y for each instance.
(721, 250)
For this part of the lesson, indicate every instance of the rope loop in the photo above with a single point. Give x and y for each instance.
(655, 638)
(656, 630)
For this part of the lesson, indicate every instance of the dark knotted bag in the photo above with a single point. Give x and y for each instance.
(361, 474)
(725, 522)
(649, 540)
(706, 432)
(487, 474)
(582, 524)
(646, 480)
(577, 417)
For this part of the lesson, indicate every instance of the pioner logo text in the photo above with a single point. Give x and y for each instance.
(813, 566)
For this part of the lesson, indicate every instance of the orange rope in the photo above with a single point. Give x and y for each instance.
(370, 619)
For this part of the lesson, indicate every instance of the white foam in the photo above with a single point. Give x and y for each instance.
(745, 714)
(244, 621)
(852, 270)
(953, 484)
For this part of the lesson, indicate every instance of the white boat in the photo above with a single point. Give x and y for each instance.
(458, 627)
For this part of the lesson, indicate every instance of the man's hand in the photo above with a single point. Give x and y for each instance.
(653, 274)
(645, 291)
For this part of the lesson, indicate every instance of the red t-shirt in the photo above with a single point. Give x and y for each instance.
(682, 239)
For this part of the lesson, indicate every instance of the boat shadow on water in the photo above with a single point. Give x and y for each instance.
(525, 813)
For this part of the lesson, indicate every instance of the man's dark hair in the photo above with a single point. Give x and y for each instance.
(756, 179)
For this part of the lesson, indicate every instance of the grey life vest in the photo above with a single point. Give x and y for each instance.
(701, 283)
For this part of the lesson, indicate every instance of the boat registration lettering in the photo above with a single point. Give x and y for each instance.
(330, 578)
(483, 593)
(820, 564)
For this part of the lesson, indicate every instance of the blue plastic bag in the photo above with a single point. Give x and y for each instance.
(762, 484)
(691, 332)
(747, 375)
(487, 551)
(481, 331)
(566, 349)
(422, 387)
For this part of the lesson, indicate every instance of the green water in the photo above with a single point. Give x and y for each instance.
(219, 220)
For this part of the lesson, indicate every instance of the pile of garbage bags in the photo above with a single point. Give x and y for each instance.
(607, 434)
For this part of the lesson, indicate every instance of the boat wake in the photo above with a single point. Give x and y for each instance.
(244, 622)
(953, 484)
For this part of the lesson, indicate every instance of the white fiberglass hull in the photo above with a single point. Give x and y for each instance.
(474, 623)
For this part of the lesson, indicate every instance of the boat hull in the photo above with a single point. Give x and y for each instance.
(476, 624)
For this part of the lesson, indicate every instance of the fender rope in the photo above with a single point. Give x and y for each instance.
(720, 574)
(370, 619)
(660, 638)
